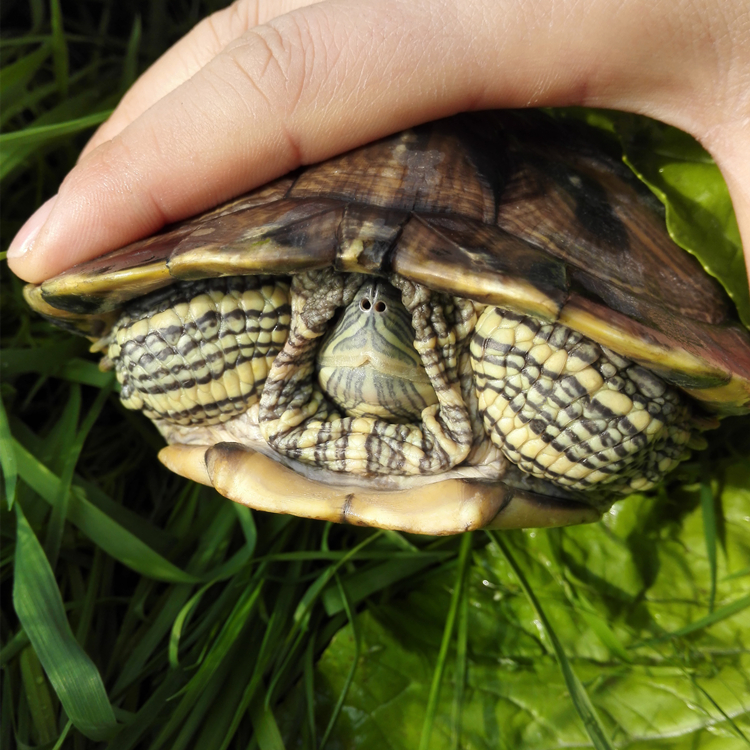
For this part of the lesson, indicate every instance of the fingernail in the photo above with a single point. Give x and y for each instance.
(23, 241)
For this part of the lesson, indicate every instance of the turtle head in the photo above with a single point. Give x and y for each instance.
(368, 365)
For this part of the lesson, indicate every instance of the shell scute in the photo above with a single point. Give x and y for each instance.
(91, 326)
(481, 262)
(366, 238)
(264, 195)
(679, 356)
(284, 236)
(428, 169)
(105, 283)
(590, 213)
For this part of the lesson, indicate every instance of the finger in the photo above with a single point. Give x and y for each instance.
(328, 77)
(187, 57)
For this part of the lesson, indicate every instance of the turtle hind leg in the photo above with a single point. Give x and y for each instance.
(563, 408)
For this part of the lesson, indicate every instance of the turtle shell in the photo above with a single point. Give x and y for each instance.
(508, 208)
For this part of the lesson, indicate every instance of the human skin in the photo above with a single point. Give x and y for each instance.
(261, 88)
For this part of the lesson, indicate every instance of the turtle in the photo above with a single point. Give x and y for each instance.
(479, 322)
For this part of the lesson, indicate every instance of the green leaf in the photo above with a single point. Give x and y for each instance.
(39, 607)
(644, 573)
(700, 216)
(684, 177)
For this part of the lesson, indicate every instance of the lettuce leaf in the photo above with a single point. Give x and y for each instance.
(629, 598)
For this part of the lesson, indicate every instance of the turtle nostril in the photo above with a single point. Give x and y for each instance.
(380, 306)
(365, 304)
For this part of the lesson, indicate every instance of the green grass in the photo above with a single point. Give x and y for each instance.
(139, 610)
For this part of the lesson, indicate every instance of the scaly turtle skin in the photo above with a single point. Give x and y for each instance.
(477, 322)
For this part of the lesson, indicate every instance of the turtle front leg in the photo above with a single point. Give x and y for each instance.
(570, 411)
(299, 423)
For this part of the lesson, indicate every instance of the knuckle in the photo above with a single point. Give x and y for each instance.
(292, 57)
(222, 27)
(276, 68)
(278, 58)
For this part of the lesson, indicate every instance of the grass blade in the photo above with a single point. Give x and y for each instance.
(41, 705)
(43, 359)
(150, 637)
(266, 729)
(56, 444)
(39, 607)
(15, 147)
(109, 535)
(350, 676)
(150, 710)
(17, 75)
(708, 508)
(728, 610)
(130, 63)
(59, 49)
(729, 720)
(226, 638)
(437, 677)
(59, 509)
(462, 660)
(16, 644)
(87, 373)
(7, 458)
(364, 583)
(578, 694)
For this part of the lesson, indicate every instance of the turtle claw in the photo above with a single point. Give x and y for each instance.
(450, 506)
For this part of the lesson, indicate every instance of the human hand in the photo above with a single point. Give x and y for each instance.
(261, 88)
